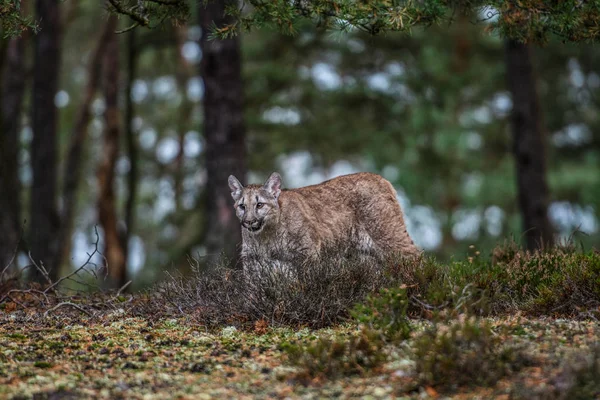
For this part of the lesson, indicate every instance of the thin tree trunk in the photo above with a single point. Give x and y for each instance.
(107, 213)
(182, 75)
(131, 143)
(44, 121)
(13, 87)
(528, 145)
(79, 133)
(224, 132)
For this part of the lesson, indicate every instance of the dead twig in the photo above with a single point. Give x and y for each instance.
(67, 304)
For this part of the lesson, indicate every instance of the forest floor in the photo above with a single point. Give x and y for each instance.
(116, 356)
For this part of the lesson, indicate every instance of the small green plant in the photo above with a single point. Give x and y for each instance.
(385, 313)
(334, 358)
(579, 378)
(466, 351)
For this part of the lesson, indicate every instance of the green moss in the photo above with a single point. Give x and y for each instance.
(42, 364)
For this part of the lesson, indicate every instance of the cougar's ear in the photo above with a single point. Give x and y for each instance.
(236, 187)
(273, 185)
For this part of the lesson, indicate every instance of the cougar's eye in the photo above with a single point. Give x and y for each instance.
(242, 207)
(259, 205)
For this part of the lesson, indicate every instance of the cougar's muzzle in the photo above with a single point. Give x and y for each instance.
(254, 225)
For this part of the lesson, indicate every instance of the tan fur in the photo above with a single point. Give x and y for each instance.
(358, 211)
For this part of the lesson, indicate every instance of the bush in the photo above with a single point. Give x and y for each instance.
(465, 352)
(385, 313)
(579, 377)
(338, 357)
(313, 294)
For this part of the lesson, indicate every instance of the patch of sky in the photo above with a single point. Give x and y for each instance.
(83, 245)
(379, 82)
(25, 174)
(488, 14)
(191, 52)
(136, 256)
(164, 88)
(466, 224)
(325, 77)
(477, 115)
(494, 217)
(148, 138)
(423, 226)
(165, 201)
(395, 69)
(501, 104)
(281, 115)
(195, 89)
(167, 149)
(572, 135)
(61, 99)
(98, 107)
(139, 91)
(576, 75)
(568, 217)
(26, 134)
(192, 144)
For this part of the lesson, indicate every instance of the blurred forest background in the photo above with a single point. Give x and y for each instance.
(135, 133)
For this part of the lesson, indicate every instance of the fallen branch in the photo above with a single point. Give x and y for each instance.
(69, 304)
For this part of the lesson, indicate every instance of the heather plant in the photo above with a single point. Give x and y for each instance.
(337, 357)
(464, 351)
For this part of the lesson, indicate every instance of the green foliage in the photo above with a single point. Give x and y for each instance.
(385, 313)
(579, 377)
(528, 20)
(12, 22)
(337, 357)
(557, 281)
(466, 351)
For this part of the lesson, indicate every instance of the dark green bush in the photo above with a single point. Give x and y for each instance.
(385, 312)
(338, 357)
(464, 352)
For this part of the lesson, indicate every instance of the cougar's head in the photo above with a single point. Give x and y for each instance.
(256, 206)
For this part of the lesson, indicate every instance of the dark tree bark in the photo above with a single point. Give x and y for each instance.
(224, 131)
(528, 146)
(183, 73)
(79, 133)
(13, 87)
(107, 212)
(132, 151)
(44, 119)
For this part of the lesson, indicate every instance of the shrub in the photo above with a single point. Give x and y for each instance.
(385, 313)
(313, 294)
(337, 357)
(465, 352)
(579, 377)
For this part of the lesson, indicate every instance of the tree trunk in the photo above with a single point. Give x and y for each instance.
(224, 132)
(44, 120)
(131, 143)
(13, 86)
(183, 73)
(107, 213)
(72, 172)
(528, 146)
